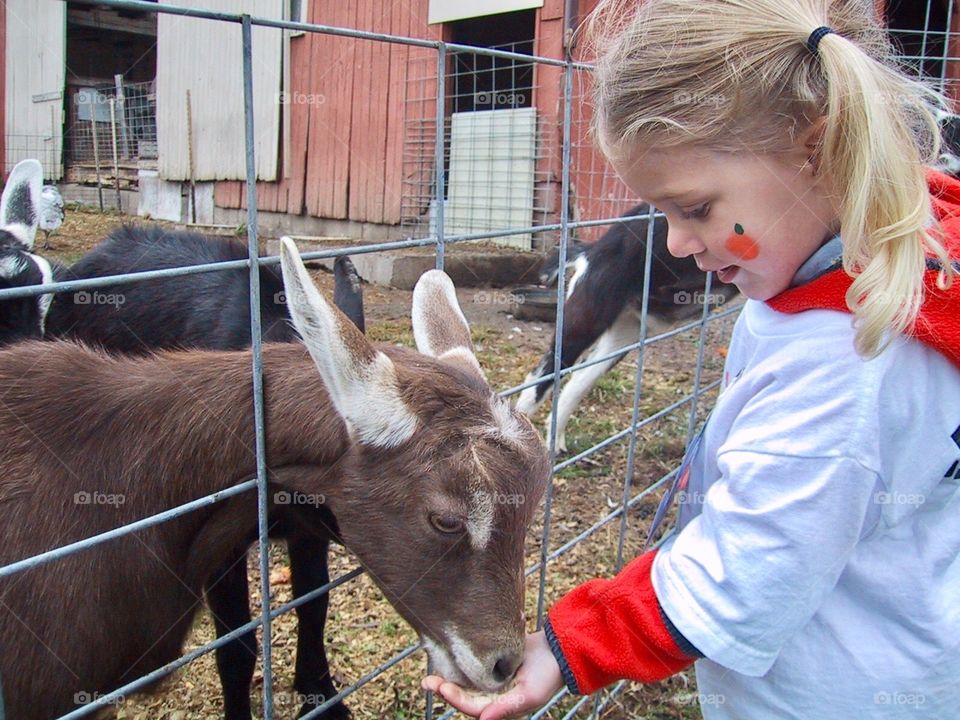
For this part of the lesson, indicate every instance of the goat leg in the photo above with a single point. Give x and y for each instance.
(308, 571)
(229, 600)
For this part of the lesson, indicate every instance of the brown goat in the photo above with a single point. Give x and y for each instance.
(431, 479)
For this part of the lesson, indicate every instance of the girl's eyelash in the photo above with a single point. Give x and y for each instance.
(698, 212)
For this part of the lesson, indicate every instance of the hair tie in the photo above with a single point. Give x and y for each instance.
(816, 36)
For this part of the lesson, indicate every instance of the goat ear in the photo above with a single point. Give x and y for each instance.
(439, 326)
(19, 205)
(361, 380)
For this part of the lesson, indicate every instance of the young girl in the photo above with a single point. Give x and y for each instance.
(818, 575)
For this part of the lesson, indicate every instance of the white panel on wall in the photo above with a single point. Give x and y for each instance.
(204, 57)
(492, 162)
(449, 10)
(35, 77)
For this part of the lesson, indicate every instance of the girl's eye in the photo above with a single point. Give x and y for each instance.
(446, 523)
(697, 212)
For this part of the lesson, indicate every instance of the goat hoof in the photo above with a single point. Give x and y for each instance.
(334, 712)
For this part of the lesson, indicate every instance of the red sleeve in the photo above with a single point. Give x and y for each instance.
(609, 630)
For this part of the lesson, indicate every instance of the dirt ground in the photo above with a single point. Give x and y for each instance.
(363, 631)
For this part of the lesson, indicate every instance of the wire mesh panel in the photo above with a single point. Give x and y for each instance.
(494, 161)
(45, 148)
(123, 113)
(495, 147)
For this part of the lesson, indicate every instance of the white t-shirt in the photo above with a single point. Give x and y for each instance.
(819, 573)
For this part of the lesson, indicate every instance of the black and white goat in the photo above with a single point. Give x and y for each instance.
(949, 160)
(602, 310)
(22, 317)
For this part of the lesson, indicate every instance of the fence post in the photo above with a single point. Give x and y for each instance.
(96, 149)
(54, 160)
(113, 143)
(558, 350)
(193, 185)
(122, 110)
(256, 346)
(439, 149)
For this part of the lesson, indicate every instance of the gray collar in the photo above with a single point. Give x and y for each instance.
(828, 257)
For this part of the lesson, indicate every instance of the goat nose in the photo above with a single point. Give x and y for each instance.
(506, 666)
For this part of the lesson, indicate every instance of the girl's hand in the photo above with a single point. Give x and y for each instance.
(537, 680)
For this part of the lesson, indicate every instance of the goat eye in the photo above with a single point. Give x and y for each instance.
(446, 523)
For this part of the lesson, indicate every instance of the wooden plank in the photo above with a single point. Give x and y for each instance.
(330, 129)
(343, 131)
(227, 193)
(548, 82)
(315, 154)
(396, 115)
(111, 20)
(380, 66)
(551, 10)
(319, 157)
(361, 116)
(301, 79)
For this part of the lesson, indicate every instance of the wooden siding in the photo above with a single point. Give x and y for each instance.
(34, 74)
(347, 143)
(346, 146)
(205, 57)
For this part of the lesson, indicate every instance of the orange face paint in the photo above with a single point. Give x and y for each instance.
(741, 244)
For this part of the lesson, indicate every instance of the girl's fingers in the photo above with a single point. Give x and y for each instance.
(484, 706)
(507, 705)
(431, 683)
(464, 701)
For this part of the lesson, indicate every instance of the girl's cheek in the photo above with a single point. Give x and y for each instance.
(741, 244)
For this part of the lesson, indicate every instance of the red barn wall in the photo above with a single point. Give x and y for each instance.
(346, 108)
(347, 135)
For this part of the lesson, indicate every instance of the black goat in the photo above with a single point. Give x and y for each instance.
(603, 304)
(212, 310)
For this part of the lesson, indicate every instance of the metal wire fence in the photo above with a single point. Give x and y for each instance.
(122, 115)
(601, 195)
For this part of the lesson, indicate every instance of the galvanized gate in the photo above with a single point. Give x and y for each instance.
(928, 50)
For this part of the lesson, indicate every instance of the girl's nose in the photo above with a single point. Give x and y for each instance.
(682, 243)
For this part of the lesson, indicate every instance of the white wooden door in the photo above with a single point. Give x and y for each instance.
(36, 51)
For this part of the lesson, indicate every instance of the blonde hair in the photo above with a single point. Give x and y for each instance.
(735, 75)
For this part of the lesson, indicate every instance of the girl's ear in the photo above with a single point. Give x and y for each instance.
(808, 143)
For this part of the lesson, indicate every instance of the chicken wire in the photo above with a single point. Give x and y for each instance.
(589, 197)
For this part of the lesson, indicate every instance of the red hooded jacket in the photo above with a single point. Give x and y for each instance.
(606, 630)
(938, 324)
